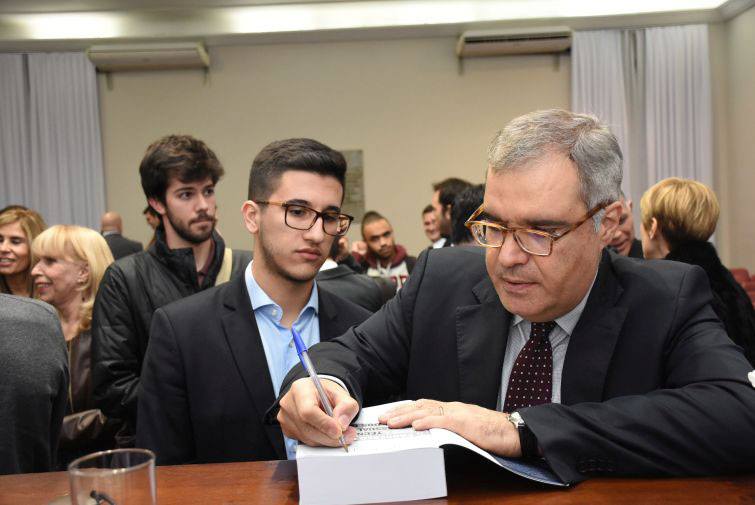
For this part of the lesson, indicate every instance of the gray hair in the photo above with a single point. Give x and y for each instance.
(581, 137)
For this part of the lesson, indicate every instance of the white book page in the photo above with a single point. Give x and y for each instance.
(375, 438)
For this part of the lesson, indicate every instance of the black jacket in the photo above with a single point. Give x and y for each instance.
(357, 288)
(120, 246)
(636, 250)
(130, 292)
(651, 384)
(730, 301)
(206, 385)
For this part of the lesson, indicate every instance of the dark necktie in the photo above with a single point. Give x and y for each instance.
(531, 377)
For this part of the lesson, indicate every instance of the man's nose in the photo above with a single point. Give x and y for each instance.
(510, 254)
(203, 203)
(315, 233)
(617, 234)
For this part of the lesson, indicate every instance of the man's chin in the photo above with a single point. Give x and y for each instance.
(302, 274)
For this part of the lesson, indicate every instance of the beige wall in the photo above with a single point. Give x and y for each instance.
(403, 102)
(406, 105)
(740, 138)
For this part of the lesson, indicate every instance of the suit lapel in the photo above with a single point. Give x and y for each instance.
(481, 332)
(327, 315)
(593, 340)
(243, 338)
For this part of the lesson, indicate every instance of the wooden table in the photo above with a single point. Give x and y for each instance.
(274, 482)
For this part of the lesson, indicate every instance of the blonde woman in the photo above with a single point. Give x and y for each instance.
(678, 218)
(18, 227)
(72, 261)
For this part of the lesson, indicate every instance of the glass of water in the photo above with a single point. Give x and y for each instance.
(117, 477)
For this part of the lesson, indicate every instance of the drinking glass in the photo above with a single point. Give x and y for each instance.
(117, 477)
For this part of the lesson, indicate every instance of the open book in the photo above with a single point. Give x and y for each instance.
(386, 464)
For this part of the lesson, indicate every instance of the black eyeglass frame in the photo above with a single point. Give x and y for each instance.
(318, 215)
(552, 237)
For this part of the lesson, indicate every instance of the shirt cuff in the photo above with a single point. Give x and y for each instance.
(336, 380)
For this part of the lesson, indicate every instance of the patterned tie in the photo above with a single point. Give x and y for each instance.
(532, 374)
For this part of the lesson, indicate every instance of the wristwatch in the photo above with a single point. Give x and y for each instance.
(527, 440)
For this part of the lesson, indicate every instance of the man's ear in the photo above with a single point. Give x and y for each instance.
(157, 205)
(250, 212)
(447, 212)
(611, 217)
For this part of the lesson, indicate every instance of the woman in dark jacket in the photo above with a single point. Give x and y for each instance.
(678, 217)
(72, 261)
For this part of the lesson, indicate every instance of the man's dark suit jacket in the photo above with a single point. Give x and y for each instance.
(361, 289)
(120, 246)
(205, 385)
(651, 384)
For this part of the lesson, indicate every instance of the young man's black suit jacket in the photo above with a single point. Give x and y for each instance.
(651, 384)
(205, 385)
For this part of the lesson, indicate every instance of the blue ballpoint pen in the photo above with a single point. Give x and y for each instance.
(301, 350)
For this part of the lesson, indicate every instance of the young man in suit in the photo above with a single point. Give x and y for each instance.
(216, 360)
(601, 364)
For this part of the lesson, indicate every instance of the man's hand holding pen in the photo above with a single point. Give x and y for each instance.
(302, 417)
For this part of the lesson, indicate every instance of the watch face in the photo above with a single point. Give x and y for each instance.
(516, 419)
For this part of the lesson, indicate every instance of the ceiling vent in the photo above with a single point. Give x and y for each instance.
(518, 41)
(158, 56)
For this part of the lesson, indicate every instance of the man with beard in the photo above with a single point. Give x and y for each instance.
(178, 176)
(384, 258)
(216, 360)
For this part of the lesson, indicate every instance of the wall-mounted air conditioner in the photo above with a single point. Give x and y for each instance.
(515, 41)
(157, 56)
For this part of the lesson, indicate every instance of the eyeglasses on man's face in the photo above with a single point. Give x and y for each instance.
(301, 217)
(535, 242)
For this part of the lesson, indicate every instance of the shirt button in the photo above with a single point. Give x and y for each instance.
(275, 312)
(291, 344)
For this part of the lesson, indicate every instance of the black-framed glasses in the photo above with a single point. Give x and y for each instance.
(535, 242)
(301, 217)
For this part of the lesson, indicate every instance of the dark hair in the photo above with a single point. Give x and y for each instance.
(370, 217)
(449, 188)
(428, 208)
(180, 156)
(292, 154)
(151, 211)
(333, 249)
(465, 204)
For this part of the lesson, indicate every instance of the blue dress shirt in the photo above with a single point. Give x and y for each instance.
(277, 341)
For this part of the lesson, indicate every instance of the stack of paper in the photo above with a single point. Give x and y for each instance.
(389, 465)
